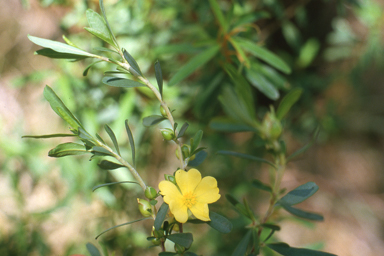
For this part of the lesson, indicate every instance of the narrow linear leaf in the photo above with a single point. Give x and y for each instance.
(104, 49)
(67, 149)
(183, 239)
(113, 137)
(299, 194)
(163, 210)
(132, 62)
(58, 55)
(159, 77)
(86, 137)
(108, 165)
(199, 159)
(303, 214)
(240, 207)
(245, 156)
(47, 136)
(152, 120)
(219, 15)
(195, 141)
(168, 253)
(260, 185)
(286, 250)
(182, 130)
(93, 250)
(258, 80)
(194, 63)
(112, 183)
(127, 223)
(121, 82)
(107, 23)
(131, 142)
(228, 125)
(241, 248)
(85, 72)
(287, 102)
(271, 226)
(101, 151)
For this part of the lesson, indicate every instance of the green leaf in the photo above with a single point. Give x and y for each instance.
(241, 248)
(131, 142)
(262, 84)
(60, 47)
(264, 54)
(104, 49)
(93, 250)
(195, 141)
(99, 151)
(302, 214)
(305, 147)
(108, 165)
(228, 125)
(121, 82)
(183, 239)
(132, 62)
(245, 156)
(287, 102)
(299, 194)
(106, 22)
(85, 72)
(98, 27)
(67, 149)
(159, 77)
(271, 226)
(88, 140)
(194, 63)
(168, 253)
(58, 55)
(153, 120)
(286, 250)
(113, 183)
(219, 15)
(239, 206)
(199, 159)
(260, 185)
(220, 223)
(163, 210)
(127, 223)
(47, 136)
(58, 106)
(182, 130)
(190, 254)
(113, 137)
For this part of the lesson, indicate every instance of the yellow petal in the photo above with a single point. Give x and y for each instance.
(207, 191)
(200, 211)
(169, 191)
(187, 181)
(179, 210)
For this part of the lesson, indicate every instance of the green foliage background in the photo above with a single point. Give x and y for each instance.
(335, 50)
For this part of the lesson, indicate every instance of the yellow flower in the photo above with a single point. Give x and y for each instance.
(192, 193)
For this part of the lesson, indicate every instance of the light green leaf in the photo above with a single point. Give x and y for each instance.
(98, 26)
(264, 54)
(67, 149)
(113, 137)
(47, 136)
(285, 250)
(287, 102)
(85, 72)
(299, 194)
(152, 120)
(194, 63)
(262, 84)
(109, 27)
(121, 82)
(183, 239)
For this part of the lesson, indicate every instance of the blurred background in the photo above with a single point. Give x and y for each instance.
(335, 50)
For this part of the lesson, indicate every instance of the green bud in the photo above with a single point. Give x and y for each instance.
(150, 193)
(271, 126)
(163, 112)
(167, 133)
(170, 178)
(144, 207)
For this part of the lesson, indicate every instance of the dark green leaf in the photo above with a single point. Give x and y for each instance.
(93, 250)
(163, 210)
(113, 137)
(219, 15)
(299, 194)
(85, 72)
(112, 183)
(194, 63)
(58, 106)
(121, 82)
(131, 142)
(287, 102)
(245, 156)
(47, 136)
(153, 202)
(190, 254)
(286, 250)
(132, 62)
(99, 151)
(271, 226)
(108, 165)
(106, 22)
(241, 248)
(262, 84)
(183, 239)
(153, 120)
(182, 130)
(195, 141)
(67, 149)
(264, 54)
(302, 214)
(199, 158)
(59, 47)
(228, 125)
(260, 185)
(127, 223)
(220, 223)
(159, 77)
(58, 55)
(168, 253)
(88, 140)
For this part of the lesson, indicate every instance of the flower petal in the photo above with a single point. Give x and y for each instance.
(169, 191)
(200, 211)
(207, 191)
(179, 210)
(187, 181)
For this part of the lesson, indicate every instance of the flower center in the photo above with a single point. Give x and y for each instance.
(189, 199)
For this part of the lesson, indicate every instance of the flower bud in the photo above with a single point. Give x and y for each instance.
(163, 112)
(167, 133)
(150, 193)
(144, 207)
(170, 178)
(271, 127)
